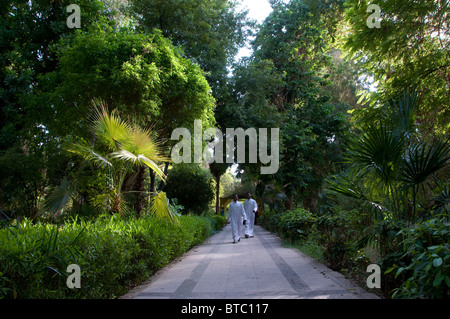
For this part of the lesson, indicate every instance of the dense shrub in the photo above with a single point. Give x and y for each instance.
(269, 220)
(338, 230)
(113, 254)
(218, 221)
(292, 225)
(428, 274)
(296, 224)
(192, 186)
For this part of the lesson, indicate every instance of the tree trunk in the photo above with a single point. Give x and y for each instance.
(139, 187)
(310, 202)
(289, 205)
(218, 195)
(116, 205)
(152, 180)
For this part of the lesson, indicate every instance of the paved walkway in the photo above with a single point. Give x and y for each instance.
(257, 267)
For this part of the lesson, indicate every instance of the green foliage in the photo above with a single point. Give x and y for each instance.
(29, 30)
(411, 49)
(296, 224)
(162, 71)
(192, 186)
(46, 101)
(389, 170)
(293, 225)
(22, 180)
(331, 236)
(120, 148)
(160, 206)
(142, 75)
(338, 232)
(218, 222)
(428, 274)
(209, 31)
(284, 84)
(112, 253)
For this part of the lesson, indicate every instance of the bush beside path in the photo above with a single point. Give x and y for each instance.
(113, 254)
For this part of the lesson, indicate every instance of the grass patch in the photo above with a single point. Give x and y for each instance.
(309, 247)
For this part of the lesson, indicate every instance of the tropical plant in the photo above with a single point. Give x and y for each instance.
(420, 162)
(409, 49)
(129, 145)
(388, 166)
(441, 202)
(160, 205)
(393, 172)
(120, 149)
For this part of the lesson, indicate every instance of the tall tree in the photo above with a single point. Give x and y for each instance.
(209, 31)
(286, 79)
(28, 32)
(142, 75)
(217, 170)
(410, 49)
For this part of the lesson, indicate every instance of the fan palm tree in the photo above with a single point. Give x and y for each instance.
(130, 144)
(420, 162)
(395, 165)
(122, 147)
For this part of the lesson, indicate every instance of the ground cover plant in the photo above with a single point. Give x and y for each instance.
(113, 254)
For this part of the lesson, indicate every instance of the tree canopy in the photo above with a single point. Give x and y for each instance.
(409, 50)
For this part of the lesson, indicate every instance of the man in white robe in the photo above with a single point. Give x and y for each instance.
(250, 208)
(235, 213)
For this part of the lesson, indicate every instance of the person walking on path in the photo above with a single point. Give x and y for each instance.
(235, 213)
(250, 208)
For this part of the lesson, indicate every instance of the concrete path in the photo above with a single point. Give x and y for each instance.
(254, 268)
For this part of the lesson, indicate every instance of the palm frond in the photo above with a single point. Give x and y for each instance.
(89, 154)
(402, 111)
(143, 141)
(59, 198)
(442, 201)
(421, 161)
(348, 184)
(109, 127)
(378, 150)
(160, 206)
(139, 160)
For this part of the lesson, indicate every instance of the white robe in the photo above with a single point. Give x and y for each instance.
(250, 208)
(235, 214)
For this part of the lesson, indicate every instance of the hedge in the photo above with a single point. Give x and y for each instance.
(292, 225)
(113, 254)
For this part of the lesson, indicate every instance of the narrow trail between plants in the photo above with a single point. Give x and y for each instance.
(258, 267)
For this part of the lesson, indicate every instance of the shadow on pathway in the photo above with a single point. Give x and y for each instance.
(257, 267)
